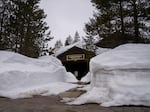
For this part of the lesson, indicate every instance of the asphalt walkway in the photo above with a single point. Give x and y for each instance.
(54, 104)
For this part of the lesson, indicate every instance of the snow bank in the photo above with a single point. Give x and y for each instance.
(51, 59)
(120, 77)
(100, 50)
(70, 77)
(86, 78)
(21, 76)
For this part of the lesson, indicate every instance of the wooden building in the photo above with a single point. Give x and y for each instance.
(76, 60)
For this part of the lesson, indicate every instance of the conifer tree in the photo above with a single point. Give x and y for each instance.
(23, 25)
(68, 40)
(6, 14)
(58, 45)
(76, 37)
(32, 27)
(123, 20)
(90, 41)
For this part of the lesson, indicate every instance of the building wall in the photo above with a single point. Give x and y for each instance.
(79, 63)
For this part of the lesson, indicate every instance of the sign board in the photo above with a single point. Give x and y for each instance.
(75, 57)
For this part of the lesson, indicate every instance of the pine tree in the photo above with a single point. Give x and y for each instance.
(6, 14)
(30, 26)
(90, 43)
(76, 37)
(139, 13)
(89, 39)
(22, 27)
(68, 40)
(45, 50)
(120, 20)
(58, 45)
(51, 51)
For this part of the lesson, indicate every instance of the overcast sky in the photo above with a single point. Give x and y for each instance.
(65, 17)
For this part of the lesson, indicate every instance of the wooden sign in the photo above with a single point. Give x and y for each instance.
(75, 57)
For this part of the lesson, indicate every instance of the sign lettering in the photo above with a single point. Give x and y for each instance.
(75, 57)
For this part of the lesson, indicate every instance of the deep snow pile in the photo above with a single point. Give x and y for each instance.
(51, 59)
(21, 76)
(120, 77)
(86, 78)
(69, 77)
(100, 50)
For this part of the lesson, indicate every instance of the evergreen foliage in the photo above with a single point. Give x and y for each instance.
(122, 19)
(76, 37)
(23, 27)
(58, 45)
(5, 27)
(90, 43)
(69, 40)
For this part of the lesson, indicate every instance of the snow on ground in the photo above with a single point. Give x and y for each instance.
(100, 50)
(120, 77)
(71, 77)
(21, 76)
(51, 59)
(86, 78)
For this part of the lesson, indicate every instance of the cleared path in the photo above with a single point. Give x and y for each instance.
(53, 104)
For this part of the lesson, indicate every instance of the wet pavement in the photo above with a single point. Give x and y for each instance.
(53, 104)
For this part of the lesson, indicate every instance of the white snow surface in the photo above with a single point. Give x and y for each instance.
(120, 77)
(71, 78)
(86, 78)
(21, 76)
(79, 44)
(100, 50)
(125, 56)
(65, 48)
(51, 59)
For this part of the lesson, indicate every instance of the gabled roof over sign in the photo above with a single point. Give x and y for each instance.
(76, 55)
(79, 44)
(76, 50)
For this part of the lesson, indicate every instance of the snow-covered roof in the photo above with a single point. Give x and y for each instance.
(79, 44)
(65, 48)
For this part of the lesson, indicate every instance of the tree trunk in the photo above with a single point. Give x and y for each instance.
(121, 17)
(136, 25)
